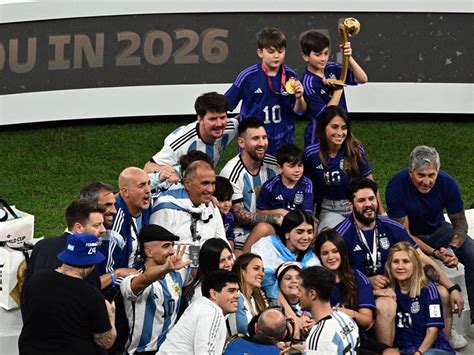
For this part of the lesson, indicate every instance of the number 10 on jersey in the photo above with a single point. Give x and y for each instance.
(273, 116)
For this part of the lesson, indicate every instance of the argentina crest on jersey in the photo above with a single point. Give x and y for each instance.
(384, 243)
(298, 198)
(415, 307)
(176, 289)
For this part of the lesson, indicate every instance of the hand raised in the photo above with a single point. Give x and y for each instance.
(176, 262)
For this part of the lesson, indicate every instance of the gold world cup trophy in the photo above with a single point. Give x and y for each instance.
(349, 27)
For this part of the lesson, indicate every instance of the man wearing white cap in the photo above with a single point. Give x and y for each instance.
(62, 313)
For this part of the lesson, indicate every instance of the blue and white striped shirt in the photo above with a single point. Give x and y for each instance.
(186, 139)
(247, 186)
(335, 334)
(153, 312)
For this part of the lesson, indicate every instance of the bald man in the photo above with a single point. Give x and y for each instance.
(133, 205)
(269, 330)
(119, 246)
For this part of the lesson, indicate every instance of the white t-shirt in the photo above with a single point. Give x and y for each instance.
(200, 330)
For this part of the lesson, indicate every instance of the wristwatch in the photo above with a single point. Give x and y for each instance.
(454, 287)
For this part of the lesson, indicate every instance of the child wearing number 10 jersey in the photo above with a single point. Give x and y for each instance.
(262, 90)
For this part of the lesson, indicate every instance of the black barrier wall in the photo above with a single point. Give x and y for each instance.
(165, 49)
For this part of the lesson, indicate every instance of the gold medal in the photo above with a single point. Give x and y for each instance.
(290, 86)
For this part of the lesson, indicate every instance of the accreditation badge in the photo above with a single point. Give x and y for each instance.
(435, 311)
(194, 255)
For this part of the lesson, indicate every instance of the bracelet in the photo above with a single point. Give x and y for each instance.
(433, 254)
(418, 351)
(454, 287)
(112, 275)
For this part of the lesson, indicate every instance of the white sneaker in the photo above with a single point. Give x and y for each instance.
(456, 340)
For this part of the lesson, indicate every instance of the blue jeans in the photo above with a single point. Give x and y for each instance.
(332, 213)
(441, 238)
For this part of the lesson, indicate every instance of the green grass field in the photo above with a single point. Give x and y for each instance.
(43, 169)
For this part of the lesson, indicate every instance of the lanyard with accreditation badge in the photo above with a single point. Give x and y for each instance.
(195, 248)
(196, 245)
(372, 257)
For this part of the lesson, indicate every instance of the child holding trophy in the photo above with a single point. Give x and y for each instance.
(320, 88)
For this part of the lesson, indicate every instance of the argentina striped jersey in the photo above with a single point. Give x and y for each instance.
(336, 334)
(153, 312)
(247, 186)
(186, 139)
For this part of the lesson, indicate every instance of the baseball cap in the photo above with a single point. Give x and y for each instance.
(81, 250)
(154, 232)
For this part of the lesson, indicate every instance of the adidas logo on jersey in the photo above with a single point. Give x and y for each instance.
(323, 91)
(320, 167)
(258, 91)
(279, 197)
(357, 248)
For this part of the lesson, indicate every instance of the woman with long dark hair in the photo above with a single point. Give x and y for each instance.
(335, 158)
(353, 292)
(215, 254)
(419, 310)
(292, 243)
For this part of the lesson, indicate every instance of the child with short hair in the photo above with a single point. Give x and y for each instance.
(289, 190)
(318, 93)
(223, 193)
(261, 88)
